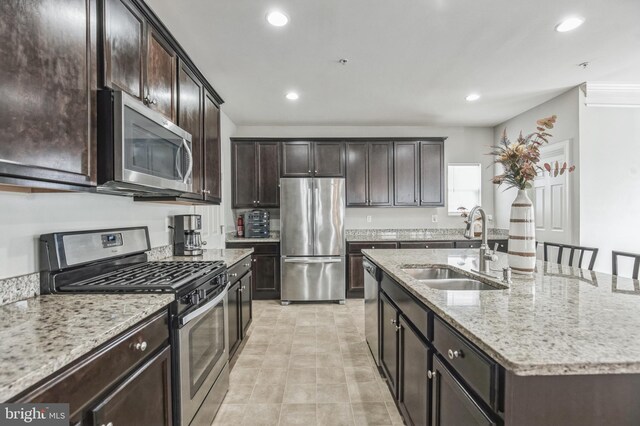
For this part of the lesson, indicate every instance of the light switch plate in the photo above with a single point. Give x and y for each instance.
(369, 219)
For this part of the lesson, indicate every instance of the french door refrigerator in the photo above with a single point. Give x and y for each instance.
(312, 239)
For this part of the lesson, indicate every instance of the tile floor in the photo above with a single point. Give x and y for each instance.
(307, 364)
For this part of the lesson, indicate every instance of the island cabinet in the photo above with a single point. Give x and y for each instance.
(255, 174)
(313, 159)
(125, 381)
(265, 268)
(436, 376)
(239, 305)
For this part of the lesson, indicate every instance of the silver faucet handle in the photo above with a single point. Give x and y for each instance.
(495, 247)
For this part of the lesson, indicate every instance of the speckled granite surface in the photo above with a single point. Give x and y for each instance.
(274, 237)
(41, 335)
(443, 234)
(19, 288)
(562, 321)
(229, 256)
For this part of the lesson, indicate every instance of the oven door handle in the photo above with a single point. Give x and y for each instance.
(202, 309)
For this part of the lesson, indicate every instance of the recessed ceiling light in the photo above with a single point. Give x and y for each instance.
(472, 97)
(569, 24)
(277, 19)
(292, 96)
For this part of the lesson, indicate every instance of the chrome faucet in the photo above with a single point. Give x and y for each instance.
(486, 254)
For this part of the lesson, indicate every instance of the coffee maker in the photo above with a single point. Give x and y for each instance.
(187, 240)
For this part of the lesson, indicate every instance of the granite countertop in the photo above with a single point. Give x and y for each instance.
(229, 256)
(274, 237)
(43, 334)
(562, 320)
(453, 234)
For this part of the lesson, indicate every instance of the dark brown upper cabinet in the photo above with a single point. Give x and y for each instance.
(313, 159)
(190, 118)
(328, 159)
(255, 174)
(369, 174)
(161, 80)
(48, 79)
(432, 173)
(406, 173)
(138, 59)
(297, 159)
(211, 167)
(124, 47)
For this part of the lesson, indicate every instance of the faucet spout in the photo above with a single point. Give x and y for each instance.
(486, 255)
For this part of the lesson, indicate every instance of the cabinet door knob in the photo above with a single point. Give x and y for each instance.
(235, 274)
(309, 171)
(426, 246)
(108, 424)
(140, 346)
(244, 287)
(246, 265)
(258, 201)
(206, 191)
(398, 328)
(393, 321)
(316, 171)
(430, 374)
(454, 354)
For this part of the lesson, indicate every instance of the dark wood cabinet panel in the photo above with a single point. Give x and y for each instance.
(406, 173)
(268, 184)
(451, 404)
(47, 112)
(266, 277)
(143, 399)
(503, 245)
(389, 342)
(244, 174)
(211, 167)
(357, 174)
(355, 279)
(328, 159)
(190, 102)
(427, 245)
(124, 34)
(246, 308)
(233, 308)
(297, 159)
(414, 386)
(380, 173)
(161, 80)
(432, 173)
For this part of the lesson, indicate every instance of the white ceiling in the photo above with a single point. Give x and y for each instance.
(411, 62)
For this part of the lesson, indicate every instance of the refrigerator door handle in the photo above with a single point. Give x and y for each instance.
(318, 260)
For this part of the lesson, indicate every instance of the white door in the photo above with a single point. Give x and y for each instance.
(551, 198)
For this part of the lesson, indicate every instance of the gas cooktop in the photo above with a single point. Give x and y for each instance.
(148, 276)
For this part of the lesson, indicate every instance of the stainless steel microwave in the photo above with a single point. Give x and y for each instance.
(140, 152)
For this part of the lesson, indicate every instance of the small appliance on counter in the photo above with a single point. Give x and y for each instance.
(257, 224)
(187, 240)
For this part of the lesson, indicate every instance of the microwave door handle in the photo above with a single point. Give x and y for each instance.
(179, 163)
(187, 175)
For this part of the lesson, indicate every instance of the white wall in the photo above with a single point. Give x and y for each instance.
(565, 106)
(462, 145)
(23, 217)
(609, 180)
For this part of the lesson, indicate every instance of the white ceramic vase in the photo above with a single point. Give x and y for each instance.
(522, 235)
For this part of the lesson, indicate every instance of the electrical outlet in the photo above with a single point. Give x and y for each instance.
(434, 218)
(490, 217)
(368, 219)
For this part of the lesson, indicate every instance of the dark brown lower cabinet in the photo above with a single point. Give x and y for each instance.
(414, 383)
(143, 399)
(265, 268)
(233, 309)
(355, 279)
(389, 329)
(451, 403)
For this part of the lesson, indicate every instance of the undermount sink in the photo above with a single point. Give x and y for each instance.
(440, 278)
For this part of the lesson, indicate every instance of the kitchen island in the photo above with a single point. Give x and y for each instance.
(561, 347)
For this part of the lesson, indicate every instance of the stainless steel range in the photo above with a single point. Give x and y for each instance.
(115, 260)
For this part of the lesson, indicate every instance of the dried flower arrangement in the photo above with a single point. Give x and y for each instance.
(520, 158)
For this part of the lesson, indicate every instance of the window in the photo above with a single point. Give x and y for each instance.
(464, 187)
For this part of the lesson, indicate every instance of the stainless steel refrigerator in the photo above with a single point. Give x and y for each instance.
(312, 239)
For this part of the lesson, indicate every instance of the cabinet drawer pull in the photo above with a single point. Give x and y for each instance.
(140, 346)
(430, 374)
(454, 354)
(108, 424)
(426, 246)
(246, 265)
(235, 274)
(373, 247)
(243, 287)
